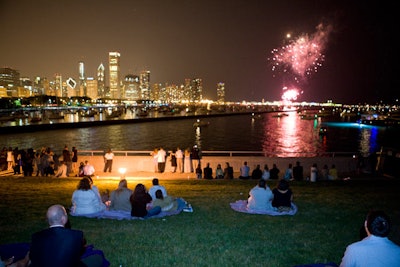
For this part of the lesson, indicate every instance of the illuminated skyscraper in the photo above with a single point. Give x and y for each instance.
(145, 84)
(101, 84)
(9, 79)
(92, 88)
(196, 90)
(58, 85)
(113, 61)
(82, 80)
(131, 87)
(220, 92)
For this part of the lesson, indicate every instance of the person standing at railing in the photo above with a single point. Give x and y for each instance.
(74, 157)
(195, 156)
(108, 160)
(161, 156)
(187, 161)
(179, 159)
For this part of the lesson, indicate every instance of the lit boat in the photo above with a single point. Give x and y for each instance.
(200, 123)
(280, 115)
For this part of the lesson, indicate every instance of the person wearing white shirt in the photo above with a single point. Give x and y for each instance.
(155, 187)
(375, 250)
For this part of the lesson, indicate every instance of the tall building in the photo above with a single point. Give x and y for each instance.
(58, 86)
(145, 84)
(101, 84)
(220, 92)
(82, 79)
(196, 90)
(9, 79)
(113, 61)
(92, 87)
(131, 87)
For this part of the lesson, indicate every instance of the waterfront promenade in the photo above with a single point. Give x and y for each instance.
(142, 167)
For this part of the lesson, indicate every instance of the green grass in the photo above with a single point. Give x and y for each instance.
(329, 217)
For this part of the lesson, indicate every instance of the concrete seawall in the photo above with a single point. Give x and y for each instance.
(144, 165)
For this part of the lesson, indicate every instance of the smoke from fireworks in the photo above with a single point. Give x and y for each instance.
(301, 57)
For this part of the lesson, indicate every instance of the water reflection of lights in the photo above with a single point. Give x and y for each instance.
(198, 136)
(289, 135)
(368, 135)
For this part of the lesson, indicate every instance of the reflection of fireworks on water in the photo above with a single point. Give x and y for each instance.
(301, 57)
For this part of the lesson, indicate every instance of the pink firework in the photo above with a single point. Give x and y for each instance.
(290, 94)
(303, 56)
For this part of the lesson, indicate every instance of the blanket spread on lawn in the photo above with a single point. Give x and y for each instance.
(126, 215)
(241, 206)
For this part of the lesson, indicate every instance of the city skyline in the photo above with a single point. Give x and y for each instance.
(217, 41)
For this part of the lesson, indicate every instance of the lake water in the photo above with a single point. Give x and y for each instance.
(279, 136)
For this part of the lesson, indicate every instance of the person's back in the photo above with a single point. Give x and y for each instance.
(283, 195)
(166, 203)
(88, 169)
(260, 197)
(207, 172)
(298, 172)
(228, 172)
(57, 246)
(257, 173)
(375, 250)
(274, 172)
(244, 171)
(156, 185)
(120, 198)
(85, 200)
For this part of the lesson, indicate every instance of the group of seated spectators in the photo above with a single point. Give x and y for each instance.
(140, 202)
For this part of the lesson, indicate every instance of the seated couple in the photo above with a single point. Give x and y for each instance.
(143, 205)
(261, 198)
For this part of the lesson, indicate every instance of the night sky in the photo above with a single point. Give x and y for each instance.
(226, 41)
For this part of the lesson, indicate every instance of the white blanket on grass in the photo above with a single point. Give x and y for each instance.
(241, 206)
(126, 215)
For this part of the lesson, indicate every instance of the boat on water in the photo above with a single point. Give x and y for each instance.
(200, 123)
(280, 115)
(88, 114)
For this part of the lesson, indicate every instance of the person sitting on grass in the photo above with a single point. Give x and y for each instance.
(257, 173)
(141, 203)
(156, 185)
(120, 198)
(85, 200)
(59, 245)
(244, 171)
(260, 197)
(283, 196)
(375, 249)
(166, 203)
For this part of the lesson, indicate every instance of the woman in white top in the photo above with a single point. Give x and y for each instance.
(85, 200)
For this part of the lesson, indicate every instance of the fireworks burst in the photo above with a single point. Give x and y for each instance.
(301, 57)
(290, 94)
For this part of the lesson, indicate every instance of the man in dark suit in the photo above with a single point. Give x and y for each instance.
(58, 245)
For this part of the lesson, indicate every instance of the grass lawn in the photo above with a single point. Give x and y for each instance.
(329, 218)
